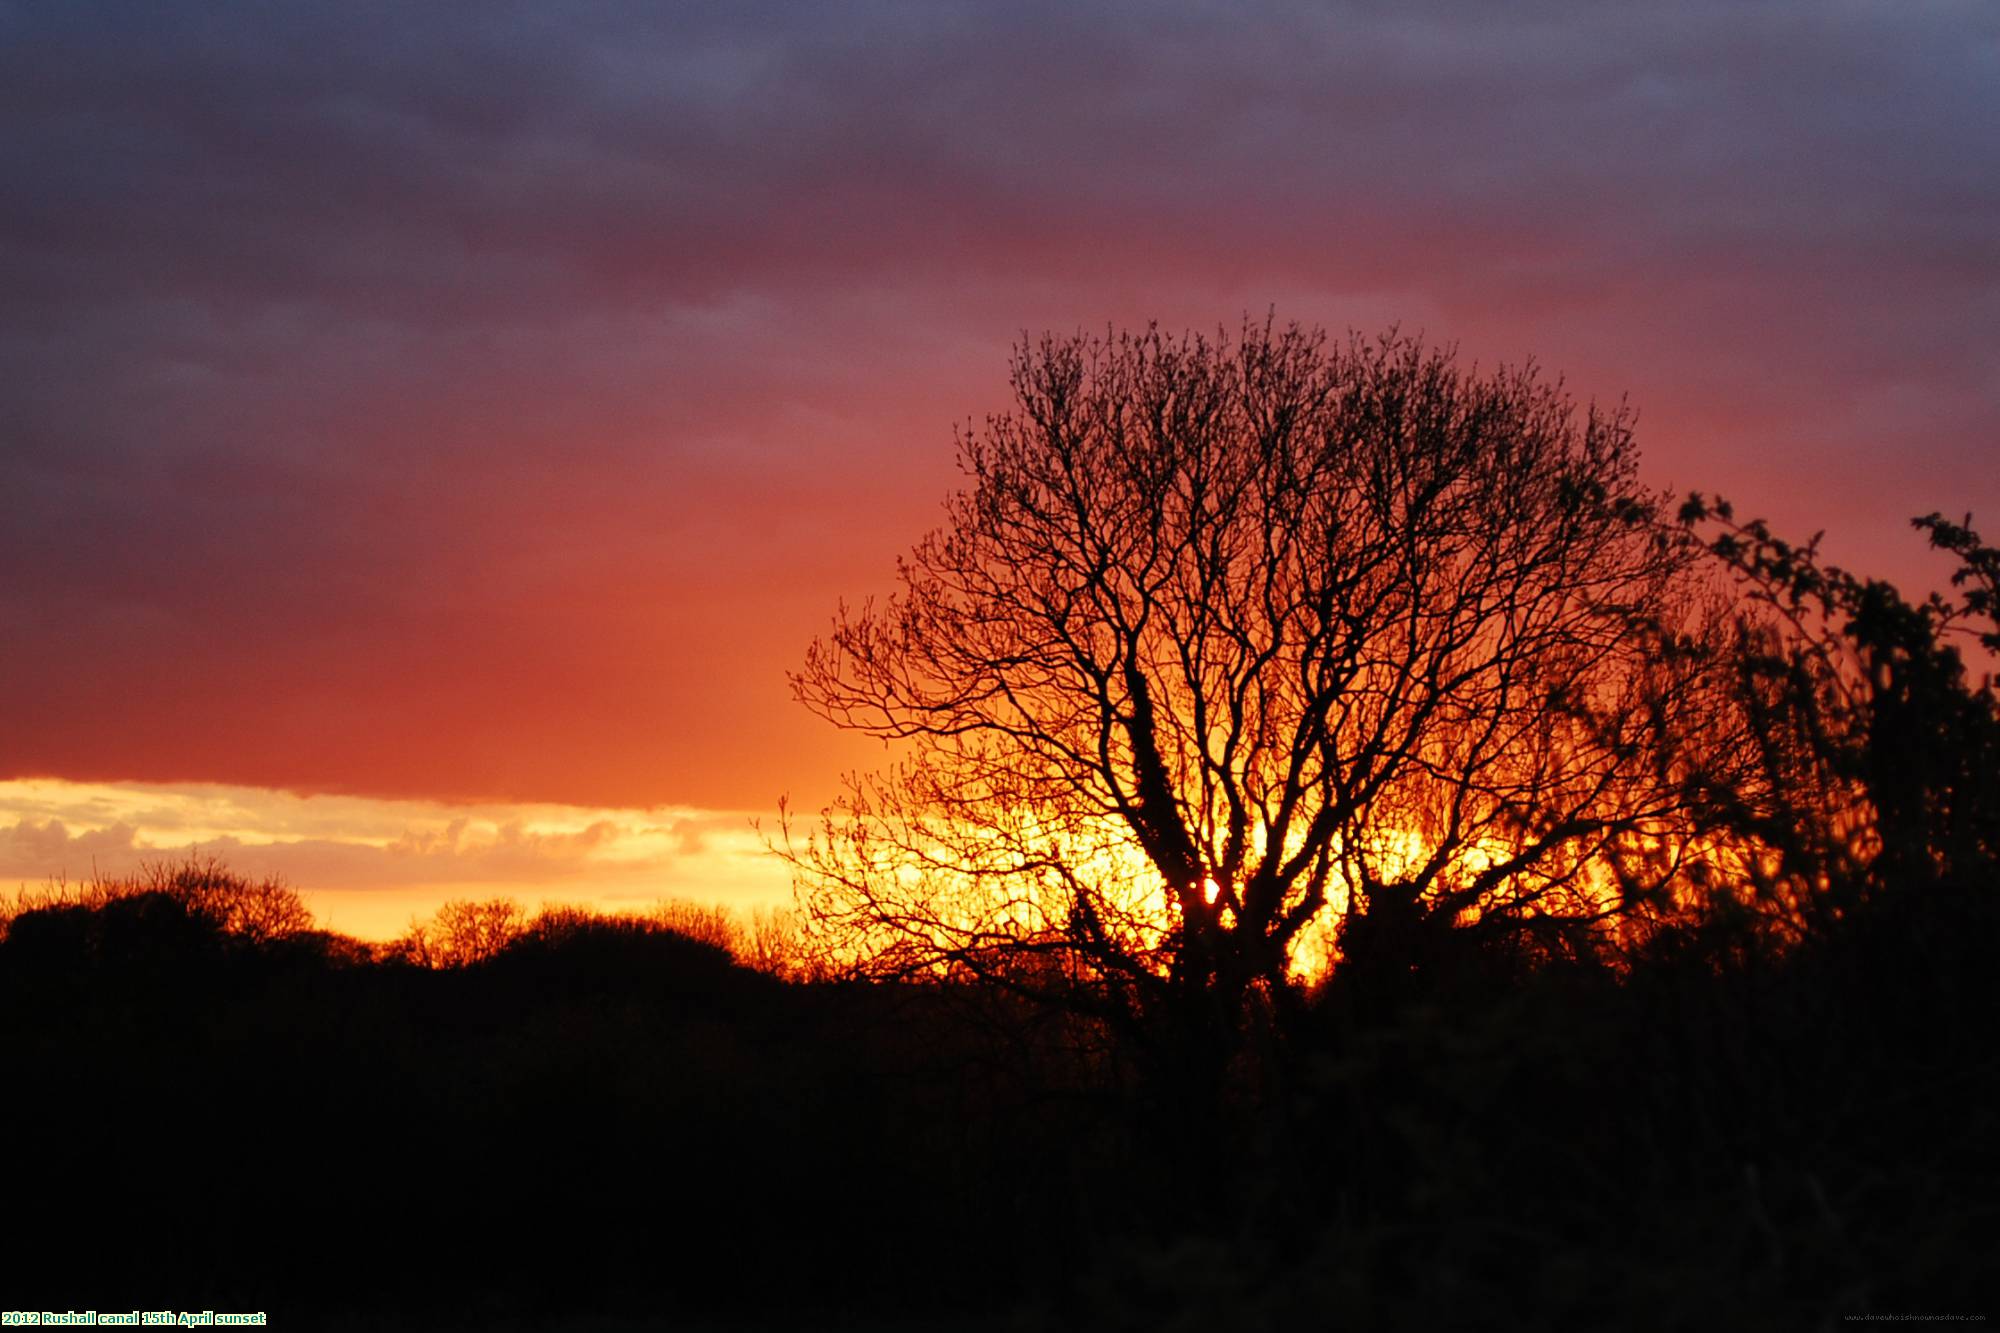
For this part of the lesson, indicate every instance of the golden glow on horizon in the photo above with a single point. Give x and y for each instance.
(368, 866)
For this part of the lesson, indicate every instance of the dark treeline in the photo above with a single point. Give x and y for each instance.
(1772, 1106)
(629, 1122)
(610, 1116)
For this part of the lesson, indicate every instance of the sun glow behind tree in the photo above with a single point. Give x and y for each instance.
(1231, 644)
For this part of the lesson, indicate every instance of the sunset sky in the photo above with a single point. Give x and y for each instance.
(429, 434)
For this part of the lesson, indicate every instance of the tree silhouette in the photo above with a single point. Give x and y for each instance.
(1234, 650)
(260, 911)
(1846, 749)
(463, 933)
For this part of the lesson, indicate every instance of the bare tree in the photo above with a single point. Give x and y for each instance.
(1230, 646)
(259, 910)
(462, 933)
(256, 909)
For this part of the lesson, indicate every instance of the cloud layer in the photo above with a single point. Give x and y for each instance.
(368, 866)
(490, 407)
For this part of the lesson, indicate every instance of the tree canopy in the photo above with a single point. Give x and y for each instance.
(1235, 649)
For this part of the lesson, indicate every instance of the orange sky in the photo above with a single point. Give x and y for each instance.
(416, 411)
(368, 865)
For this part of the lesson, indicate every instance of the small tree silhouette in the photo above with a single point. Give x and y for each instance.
(462, 933)
(1847, 748)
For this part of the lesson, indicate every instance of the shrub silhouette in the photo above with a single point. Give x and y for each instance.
(258, 911)
(1850, 752)
(576, 948)
(141, 931)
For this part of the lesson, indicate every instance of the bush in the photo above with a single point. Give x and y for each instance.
(261, 911)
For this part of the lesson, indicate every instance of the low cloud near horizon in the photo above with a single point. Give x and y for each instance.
(369, 866)
(489, 405)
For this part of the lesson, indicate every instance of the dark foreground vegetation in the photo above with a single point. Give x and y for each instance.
(623, 1121)
(1754, 1087)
